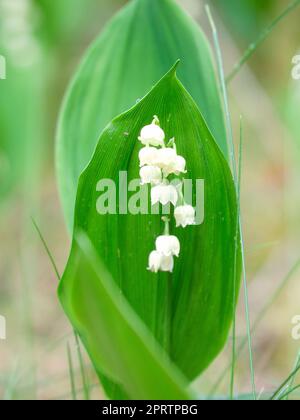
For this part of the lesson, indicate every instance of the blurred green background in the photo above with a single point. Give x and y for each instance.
(43, 41)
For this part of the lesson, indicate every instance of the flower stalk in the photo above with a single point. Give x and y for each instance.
(158, 162)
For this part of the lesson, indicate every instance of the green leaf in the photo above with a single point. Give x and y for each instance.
(245, 18)
(64, 23)
(22, 95)
(116, 339)
(134, 51)
(190, 312)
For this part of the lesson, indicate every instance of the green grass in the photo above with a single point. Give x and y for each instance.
(291, 377)
(237, 185)
(262, 37)
(71, 373)
(258, 321)
(233, 362)
(84, 377)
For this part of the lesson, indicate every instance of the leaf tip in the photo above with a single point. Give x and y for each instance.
(173, 70)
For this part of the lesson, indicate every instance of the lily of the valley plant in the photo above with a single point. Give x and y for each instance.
(120, 309)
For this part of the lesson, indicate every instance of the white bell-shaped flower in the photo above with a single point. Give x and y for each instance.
(150, 175)
(184, 215)
(170, 162)
(152, 135)
(154, 261)
(148, 156)
(167, 264)
(164, 194)
(180, 164)
(159, 262)
(168, 245)
(166, 158)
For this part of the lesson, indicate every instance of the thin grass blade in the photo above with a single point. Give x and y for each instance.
(262, 37)
(71, 373)
(235, 176)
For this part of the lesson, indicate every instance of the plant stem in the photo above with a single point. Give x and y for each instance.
(77, 339)
(290, 377)
(289, 392)
(85, 384)
(166, 221)
(235, 270)
(71, 373)
(235, 176)
(169, 279)
(46, 249)
(169, 315)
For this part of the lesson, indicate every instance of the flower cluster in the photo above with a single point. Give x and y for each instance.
(159, 161)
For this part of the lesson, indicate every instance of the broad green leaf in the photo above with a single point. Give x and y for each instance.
(116, 339)
(31, 56)
(22, 82)
(247, 17)
(65, 22)
(134, 51)
(190, 312)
